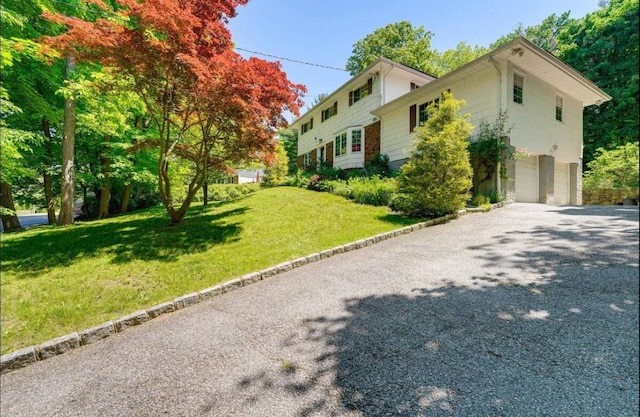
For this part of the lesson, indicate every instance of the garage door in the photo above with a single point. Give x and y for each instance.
(527, 179)
(561, 183)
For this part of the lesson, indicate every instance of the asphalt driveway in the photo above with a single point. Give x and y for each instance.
(529, 310)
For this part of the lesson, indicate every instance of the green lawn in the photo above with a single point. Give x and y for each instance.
(59, 280)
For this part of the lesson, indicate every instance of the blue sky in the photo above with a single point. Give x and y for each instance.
(323, 31)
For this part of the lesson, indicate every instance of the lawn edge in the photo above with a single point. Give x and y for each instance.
(36, 353)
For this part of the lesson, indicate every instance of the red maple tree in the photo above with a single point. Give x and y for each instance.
(208, 104)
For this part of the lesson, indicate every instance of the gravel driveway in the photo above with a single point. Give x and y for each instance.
(528, 310)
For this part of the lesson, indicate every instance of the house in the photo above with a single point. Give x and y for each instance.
(542, 97)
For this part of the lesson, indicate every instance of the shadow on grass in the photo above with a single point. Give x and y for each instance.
(551, 329)
(138, 236)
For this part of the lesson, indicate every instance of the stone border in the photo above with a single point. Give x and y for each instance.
(60, 345)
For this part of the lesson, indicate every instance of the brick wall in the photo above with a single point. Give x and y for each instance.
(371, 140)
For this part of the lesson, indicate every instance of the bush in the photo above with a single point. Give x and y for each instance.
(226, 192)
(437, 178)
(480, 200)
(378, 165)
(616, 168)
(276, 173)
(300, 179)
(374, 191)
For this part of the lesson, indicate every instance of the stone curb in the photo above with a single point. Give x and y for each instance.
(28, 355)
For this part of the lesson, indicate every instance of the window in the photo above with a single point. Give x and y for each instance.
(341, 144)
(518, 88)
(307, 126)
(330, 112)
(361, 92)
(356, 141)
(559, 108)
(423, 110)
(307, 160)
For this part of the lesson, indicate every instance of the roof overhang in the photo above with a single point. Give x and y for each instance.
(523, 54)
(379, 66)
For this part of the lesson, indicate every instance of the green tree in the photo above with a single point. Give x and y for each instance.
(289, 139)
(276, 173)
(452, 59)
(400, 42)
(615, 168)
(437, 178)
(604, 47)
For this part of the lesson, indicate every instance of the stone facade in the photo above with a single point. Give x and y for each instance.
(608, 197)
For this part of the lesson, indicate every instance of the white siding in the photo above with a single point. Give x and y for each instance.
(527, 179)
(480, 93)
(534, 125)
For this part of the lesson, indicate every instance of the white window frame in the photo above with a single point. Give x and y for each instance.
(518, 98)
(340, 144)
(360, 132)
(307, 160)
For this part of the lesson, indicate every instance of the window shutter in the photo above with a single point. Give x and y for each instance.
(335, 107)
(412, 118)
(370, 86)
(322, 116)
(311, 124)
(350, 97)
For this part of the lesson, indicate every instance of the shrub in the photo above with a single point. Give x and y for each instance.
(355, 173)
(331, 173)
(276, 173)
(374, 191)
(341, 188)
(615, 168)
(480, 200)
(378, 165)
(300, 179)
(437, 178)
(226, 192)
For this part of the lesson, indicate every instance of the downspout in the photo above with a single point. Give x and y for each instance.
(498, 178)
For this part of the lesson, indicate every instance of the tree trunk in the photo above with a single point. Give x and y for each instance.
(105, 191)
(68, 144)
(48, 189)
(124, 206)
(10, 222)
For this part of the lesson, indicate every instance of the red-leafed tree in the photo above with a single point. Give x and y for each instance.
(207, 103)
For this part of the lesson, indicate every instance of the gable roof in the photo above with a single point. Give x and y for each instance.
(376, 66)
(524, 54)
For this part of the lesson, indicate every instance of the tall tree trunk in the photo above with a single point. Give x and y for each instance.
(10, 222)
(124, 206)
(205, 186)
(48, 189)
(105, 191)
(68, 145)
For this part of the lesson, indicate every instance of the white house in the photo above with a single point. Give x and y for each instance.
(542, 96)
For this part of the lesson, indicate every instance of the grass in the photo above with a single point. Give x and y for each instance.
(57, 280)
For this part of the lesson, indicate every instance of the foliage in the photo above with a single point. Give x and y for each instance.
(452, 59)
(227, 192)
(299, 179)
(437, 178)
(276, 173)
(400, 42)
(76, 278)
(209, 105)
(488, 150)
(374, 191)
(289, 139)
(616, 168)
(480, 200)
(378, 165)
(604, 47)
